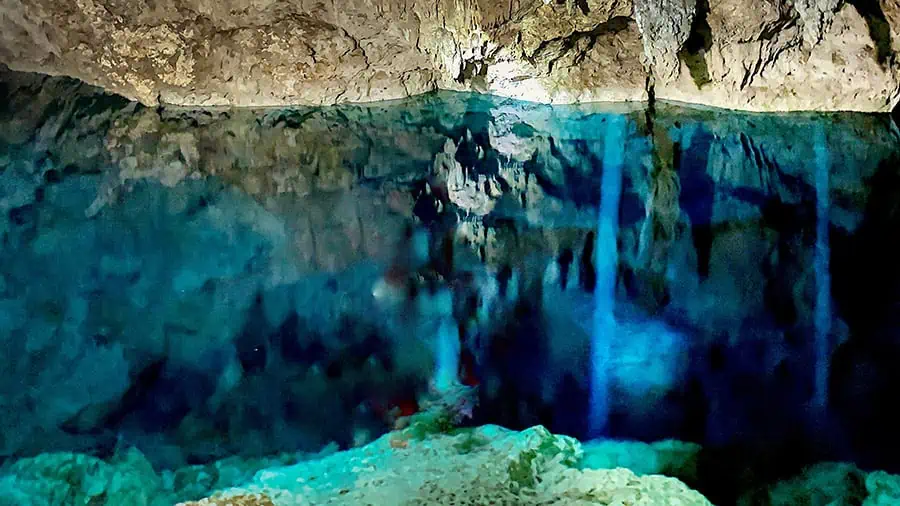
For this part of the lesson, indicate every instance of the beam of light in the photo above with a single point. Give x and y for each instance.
(822, 275)
(446, 356)
(606, 261)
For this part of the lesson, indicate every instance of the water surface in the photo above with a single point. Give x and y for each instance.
(208, 283)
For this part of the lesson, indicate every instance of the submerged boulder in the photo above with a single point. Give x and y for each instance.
(52, 479)
(830, 483)
(670, 458)
(484, 465)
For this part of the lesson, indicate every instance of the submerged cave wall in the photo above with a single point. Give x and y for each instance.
(756, 55)
(147, 249)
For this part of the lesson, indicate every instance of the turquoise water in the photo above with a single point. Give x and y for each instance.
(823, 277)
(200, 284)
(605, 265)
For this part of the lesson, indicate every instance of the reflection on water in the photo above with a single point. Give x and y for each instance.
(208, 283)
(823, 278)
(605, 264)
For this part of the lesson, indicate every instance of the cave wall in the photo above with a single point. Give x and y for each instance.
(765, 56)
(221, 263)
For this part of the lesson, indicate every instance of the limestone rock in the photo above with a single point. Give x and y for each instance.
(485, 465)
(189, 52)
(76, 479)
(883, 489)
(665, 26)
(765, 55)
(755, 59)
(237, 500)
(830, 483)
(669, 458)
(827, 483)
(816, 17)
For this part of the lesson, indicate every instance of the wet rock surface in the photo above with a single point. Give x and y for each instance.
(764, 56)
(475, 466)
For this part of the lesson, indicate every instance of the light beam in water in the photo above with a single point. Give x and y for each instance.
(446, 356)
(822, 274)
(606, 261)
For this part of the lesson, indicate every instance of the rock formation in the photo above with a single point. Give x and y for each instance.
(816, 17)
(147, 196)
(424, 464)
(665, 26)
(766, 56)
(487, 465)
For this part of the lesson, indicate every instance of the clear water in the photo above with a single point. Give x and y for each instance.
(209, 283)
(823, 278)
(605, 264)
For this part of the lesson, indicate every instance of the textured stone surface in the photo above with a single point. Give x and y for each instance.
(816, 17)
(485, 465)
(669, 458)
(77, 479)
(128, 478)
(755, 59)
(766, 55)
(665, 26)
(830, 483)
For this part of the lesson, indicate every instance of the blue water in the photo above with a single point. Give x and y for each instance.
(606, 262)
(202, 284)
(446, 357)
(822, 273)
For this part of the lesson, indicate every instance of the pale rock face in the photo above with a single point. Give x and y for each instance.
(761, 55)
(757, 62)
(529, 468)
(816, 17)
(665, 26)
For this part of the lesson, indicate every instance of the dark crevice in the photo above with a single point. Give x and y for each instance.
(588, 279)
(475, 73)
(583, 6)
(614, 25)
(693, 54)
(650, 113)
(879, 29)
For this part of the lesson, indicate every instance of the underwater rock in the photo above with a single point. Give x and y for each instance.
(830, 483)
(126, 478)
(677, 459)
(77, 479)
(478, 466)
(236, 500)
(190, 52)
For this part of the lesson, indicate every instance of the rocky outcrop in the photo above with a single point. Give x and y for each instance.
(485, 465)
(769, 55)
(665, 26)
(758, 59)
(829, 483)
(422, 464)
(816, 17)
(74, 479)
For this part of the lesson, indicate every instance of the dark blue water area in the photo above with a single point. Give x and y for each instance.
(241, 282)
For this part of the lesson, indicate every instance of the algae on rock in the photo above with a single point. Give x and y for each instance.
(531, 467)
